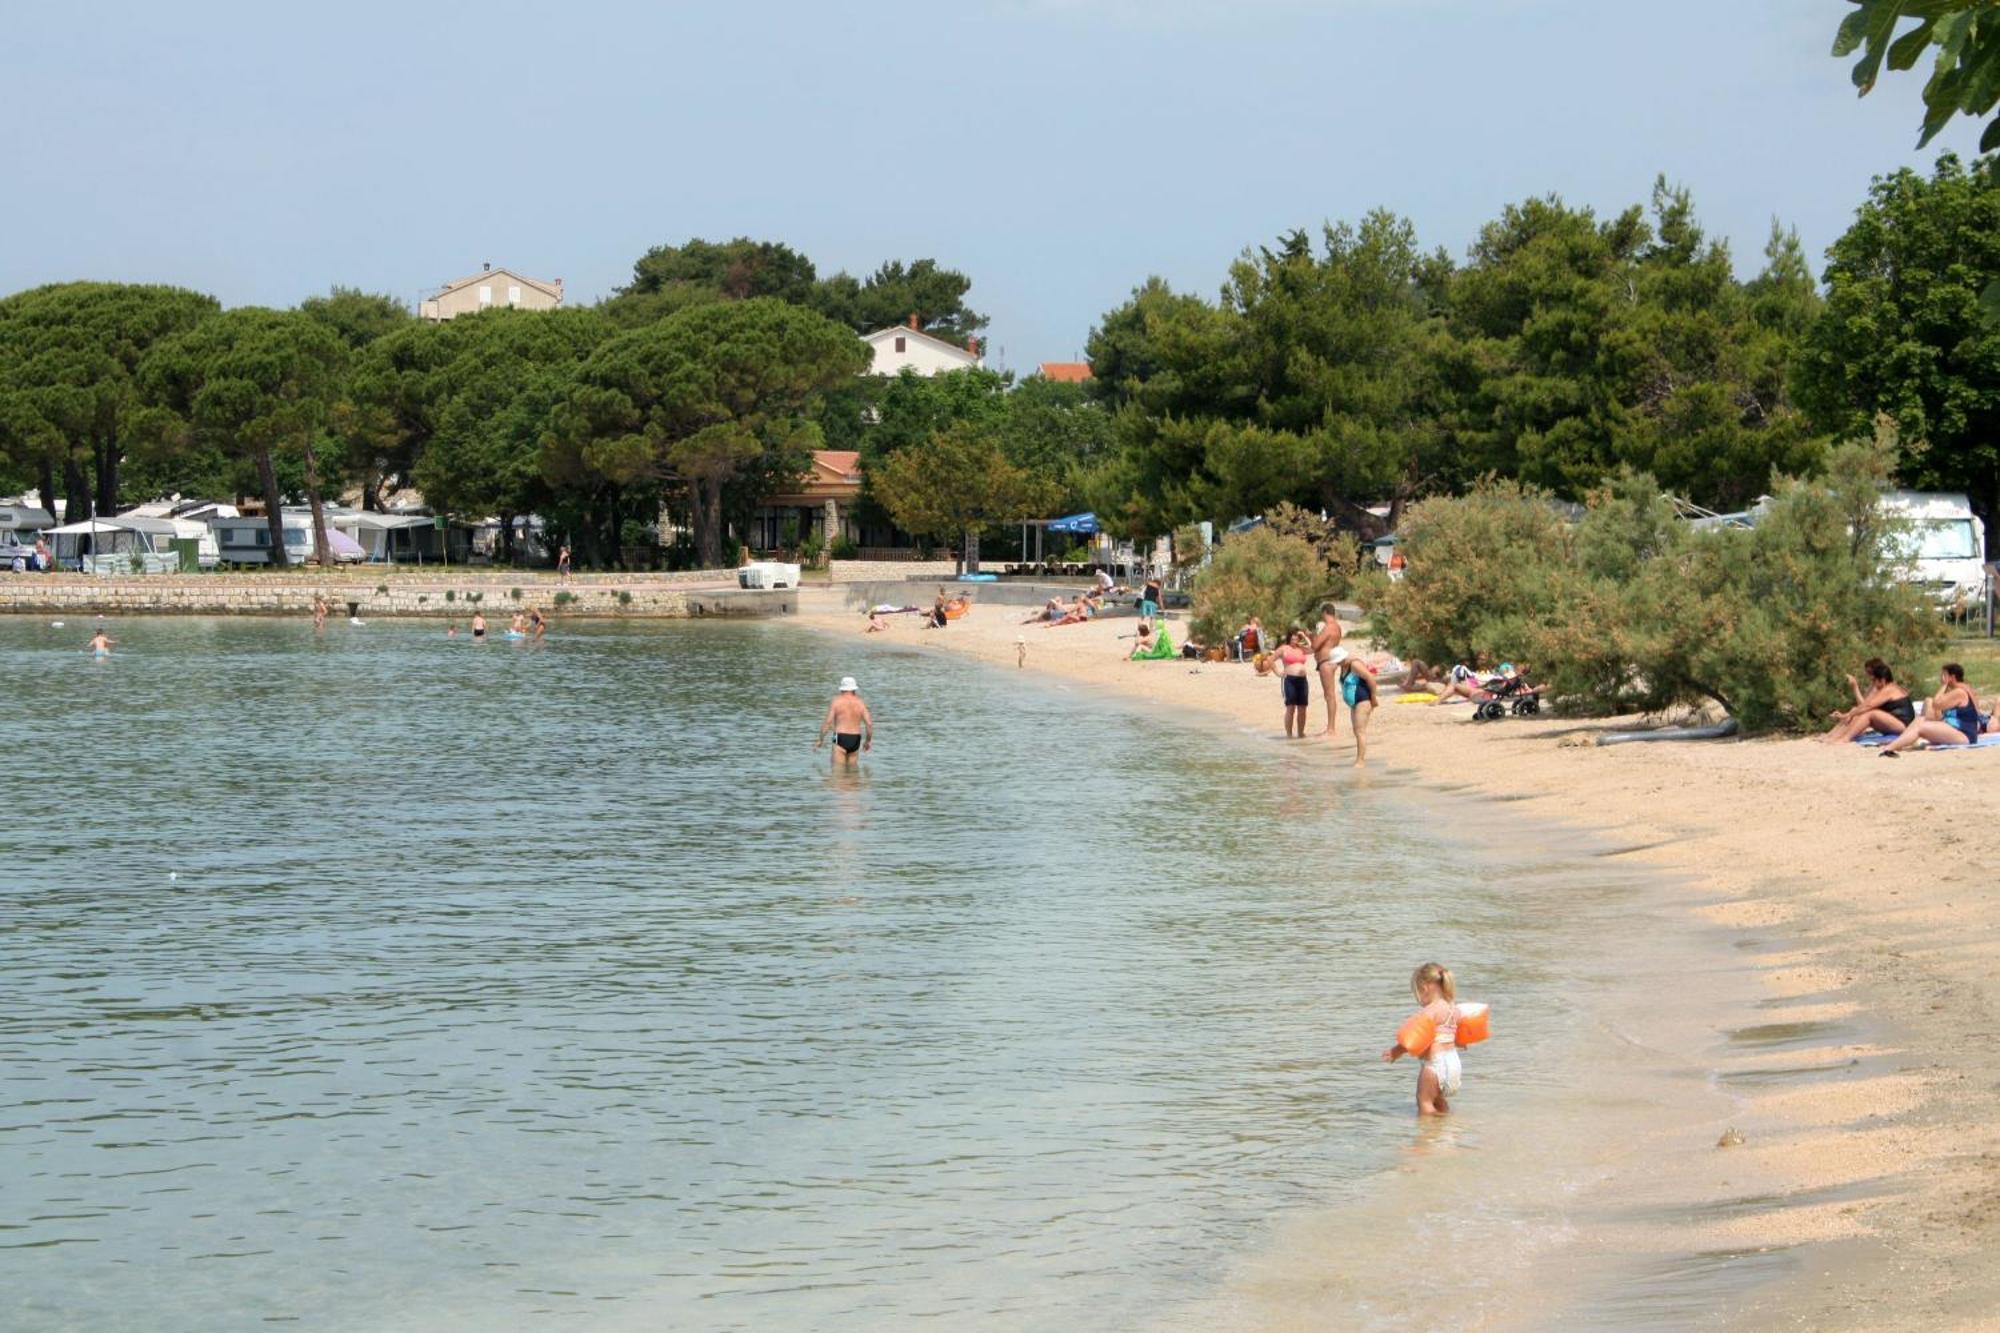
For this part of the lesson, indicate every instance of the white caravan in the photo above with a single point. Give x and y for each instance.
(1946, 542)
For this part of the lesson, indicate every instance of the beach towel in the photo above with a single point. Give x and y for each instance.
(1163, 648)
(1985, 742)
(1417, 697)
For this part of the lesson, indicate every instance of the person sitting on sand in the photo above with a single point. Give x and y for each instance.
(1144, 647)
(1886, 706)
(1250, 639)
(1053, 609)
(875, 622)
(1950, 717)
(1084, 609)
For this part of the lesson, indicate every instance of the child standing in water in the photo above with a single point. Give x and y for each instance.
(1437, 993)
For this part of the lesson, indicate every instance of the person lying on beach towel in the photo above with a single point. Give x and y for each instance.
(1086, 607)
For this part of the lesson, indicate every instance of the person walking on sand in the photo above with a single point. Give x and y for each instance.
(1292, 659)
(562, 564)
(1437, 993)
(1149, 598)
(319, 611)
(1325, 640)
(853, 727)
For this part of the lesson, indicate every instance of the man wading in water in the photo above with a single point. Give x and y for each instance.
(852, 726)
(1325, 640)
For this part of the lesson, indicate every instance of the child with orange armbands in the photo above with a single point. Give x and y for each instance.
(1432, 1034)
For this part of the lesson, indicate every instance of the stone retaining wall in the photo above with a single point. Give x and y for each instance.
(674, 596)
(889, 571)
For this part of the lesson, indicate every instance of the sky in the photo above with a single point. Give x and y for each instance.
(1057, 151)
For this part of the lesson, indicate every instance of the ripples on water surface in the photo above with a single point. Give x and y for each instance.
(500, 983)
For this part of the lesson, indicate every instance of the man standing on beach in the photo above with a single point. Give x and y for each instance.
(1325, 640)
(852, 726)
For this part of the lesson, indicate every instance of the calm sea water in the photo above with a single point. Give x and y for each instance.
(374, 980)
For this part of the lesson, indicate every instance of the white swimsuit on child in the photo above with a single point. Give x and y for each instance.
(1442, 1058)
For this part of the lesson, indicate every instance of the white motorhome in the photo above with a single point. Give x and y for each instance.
(1946, 543)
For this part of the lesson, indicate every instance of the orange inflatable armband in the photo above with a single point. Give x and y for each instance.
(1416, 1034)
(1472, 1023)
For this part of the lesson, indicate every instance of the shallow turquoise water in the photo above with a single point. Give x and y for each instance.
(377, 980)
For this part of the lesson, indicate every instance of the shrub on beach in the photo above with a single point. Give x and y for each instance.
(1478, 574)
(1262, 573)
(1634, 609)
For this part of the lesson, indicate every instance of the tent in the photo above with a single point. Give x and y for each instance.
(109, 536)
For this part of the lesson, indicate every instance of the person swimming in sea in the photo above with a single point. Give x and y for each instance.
(853, 727)
(1438, 1080)
(478, 625)
(100, 643)
(319, 611)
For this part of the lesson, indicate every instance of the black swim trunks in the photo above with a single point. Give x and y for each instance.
(849, 741)
(1296, 695)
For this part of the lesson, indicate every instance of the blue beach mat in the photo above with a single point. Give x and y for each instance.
(1983, 743)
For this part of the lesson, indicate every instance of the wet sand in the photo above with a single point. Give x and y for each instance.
(1826, 989)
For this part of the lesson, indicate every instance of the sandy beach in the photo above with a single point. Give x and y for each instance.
(1857, 894)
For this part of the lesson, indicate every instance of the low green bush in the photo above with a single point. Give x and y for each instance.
(843, 548)
(1262, 573)
(1633, 608)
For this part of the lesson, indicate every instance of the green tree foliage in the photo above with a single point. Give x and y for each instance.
(248, 383)
(1629, 343)
(358, 317)
(488, 403)
(673, 277)
(1965, 69)
(1903, 331)
(957, 484)
(69, 358)
(1356, 370)
(715, 399)
(1262, 573)
(896, 291)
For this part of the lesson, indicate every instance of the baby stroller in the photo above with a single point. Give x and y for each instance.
(1510, 693)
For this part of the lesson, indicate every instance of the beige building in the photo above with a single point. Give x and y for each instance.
(492, 287)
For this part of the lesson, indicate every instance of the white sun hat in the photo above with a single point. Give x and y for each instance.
(847, 685)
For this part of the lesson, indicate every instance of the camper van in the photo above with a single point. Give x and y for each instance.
(1946, 542)
(246, 540)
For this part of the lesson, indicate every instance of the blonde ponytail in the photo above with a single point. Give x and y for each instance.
(1433, 974)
